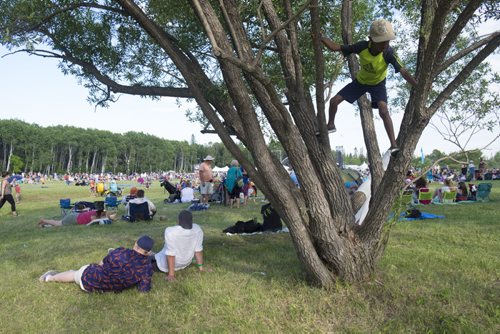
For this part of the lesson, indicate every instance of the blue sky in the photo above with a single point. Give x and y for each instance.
(35, 90)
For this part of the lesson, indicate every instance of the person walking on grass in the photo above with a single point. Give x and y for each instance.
(121, 269)
(6, 193)
(374, 56)
(183, 242)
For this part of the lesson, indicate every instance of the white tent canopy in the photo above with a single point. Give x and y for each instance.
(220, 169)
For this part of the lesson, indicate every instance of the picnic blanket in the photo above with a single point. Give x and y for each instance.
(424, 215)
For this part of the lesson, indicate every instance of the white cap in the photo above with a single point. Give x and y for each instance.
(381, 31)
(208, 158)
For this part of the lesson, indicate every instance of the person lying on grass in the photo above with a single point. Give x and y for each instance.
(77, 218)
(121, 269)
(183, 242)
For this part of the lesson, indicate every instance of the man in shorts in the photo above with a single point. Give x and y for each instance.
(206, 179)
(121, 269)
(374, 56)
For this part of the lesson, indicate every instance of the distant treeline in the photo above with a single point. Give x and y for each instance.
(31, 148)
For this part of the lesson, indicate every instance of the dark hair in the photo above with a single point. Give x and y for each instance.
(462, 187)
(421, 182)
(140, 193)
(5, 173)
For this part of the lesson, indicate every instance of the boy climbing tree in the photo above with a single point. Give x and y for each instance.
(375, 56)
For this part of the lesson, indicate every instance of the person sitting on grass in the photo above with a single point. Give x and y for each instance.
(139, 200)
(183, 242)
(121, 269)
(420, 183)
(187, 193)
(462, 193)
(132, 194)
(439, 192)
(77, 218)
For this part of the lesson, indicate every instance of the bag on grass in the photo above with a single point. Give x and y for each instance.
(249, 226)
(272, 220)
(413, 213)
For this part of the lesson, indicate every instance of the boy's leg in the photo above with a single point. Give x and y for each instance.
(389, 128)
(332, 111)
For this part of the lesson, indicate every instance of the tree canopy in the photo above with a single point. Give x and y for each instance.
(67, 149)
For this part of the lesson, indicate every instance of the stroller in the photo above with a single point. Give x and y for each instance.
(172, 190)
(219, 194)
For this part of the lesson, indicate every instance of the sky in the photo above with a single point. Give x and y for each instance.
(34, 90)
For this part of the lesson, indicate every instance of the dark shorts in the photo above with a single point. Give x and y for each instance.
(354, 90)
(235, 193)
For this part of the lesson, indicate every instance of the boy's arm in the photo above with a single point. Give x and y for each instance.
(330, 44)
(408, 77)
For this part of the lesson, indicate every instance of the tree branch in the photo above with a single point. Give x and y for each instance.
(462, 53)
(115, 87)
(455, 30)
(69, 8)
(276, 31)
(464, 74)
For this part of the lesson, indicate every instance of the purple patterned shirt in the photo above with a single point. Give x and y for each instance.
(122, 268)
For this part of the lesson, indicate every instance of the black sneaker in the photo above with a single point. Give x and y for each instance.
(394, 151)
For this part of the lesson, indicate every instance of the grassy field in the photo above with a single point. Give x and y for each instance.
(437, 276)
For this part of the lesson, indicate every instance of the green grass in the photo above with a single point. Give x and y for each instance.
(437, 276)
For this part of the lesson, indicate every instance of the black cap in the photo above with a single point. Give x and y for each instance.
(186, 219)
(145, 242)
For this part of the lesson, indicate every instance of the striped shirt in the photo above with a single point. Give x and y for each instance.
(122, 268)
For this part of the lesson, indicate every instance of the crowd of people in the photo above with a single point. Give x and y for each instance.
(457, 182)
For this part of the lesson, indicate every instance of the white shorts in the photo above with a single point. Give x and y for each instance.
(78, 276)
(206, 188)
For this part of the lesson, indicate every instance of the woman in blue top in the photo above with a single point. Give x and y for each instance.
(233, 175)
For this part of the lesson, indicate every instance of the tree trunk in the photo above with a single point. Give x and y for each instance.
(70, 160)
(92, 166)
(10, 155)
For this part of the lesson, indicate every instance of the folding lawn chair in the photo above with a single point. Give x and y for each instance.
(111, 202)
(450, 196)
(424, 196)
(483, 191)
(65, 204)
(139, 212)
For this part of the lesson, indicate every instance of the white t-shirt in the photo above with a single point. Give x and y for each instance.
(182, 244)
(187, 195)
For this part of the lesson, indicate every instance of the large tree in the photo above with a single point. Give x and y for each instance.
(242, 61)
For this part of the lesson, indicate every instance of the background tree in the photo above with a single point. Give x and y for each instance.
(244, 60)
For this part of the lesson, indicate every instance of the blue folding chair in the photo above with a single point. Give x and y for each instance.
(111, 202)
(65, 204)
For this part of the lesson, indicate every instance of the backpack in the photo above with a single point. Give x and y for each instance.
(249, 226)
(272, 220)
(413, 213)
